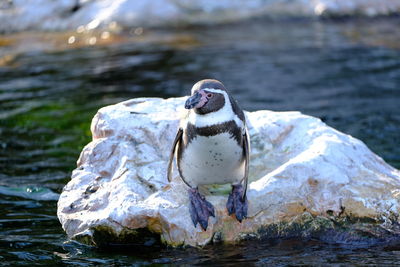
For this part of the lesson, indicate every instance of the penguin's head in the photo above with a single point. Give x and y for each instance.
(207, 96)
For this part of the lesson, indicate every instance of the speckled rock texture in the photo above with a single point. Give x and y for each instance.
(306, 178)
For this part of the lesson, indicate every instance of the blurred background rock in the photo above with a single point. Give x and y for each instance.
(17, 15)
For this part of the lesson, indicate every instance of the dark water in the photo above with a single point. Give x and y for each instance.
(346, 72)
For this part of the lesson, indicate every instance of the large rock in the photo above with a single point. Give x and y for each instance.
(22, 15)
(306, 179)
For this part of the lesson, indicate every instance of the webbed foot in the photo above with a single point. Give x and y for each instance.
(236, 204)
(200, 209)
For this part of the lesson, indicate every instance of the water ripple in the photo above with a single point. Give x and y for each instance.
(48, 99)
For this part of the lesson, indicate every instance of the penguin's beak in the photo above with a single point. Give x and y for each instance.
(195, 101)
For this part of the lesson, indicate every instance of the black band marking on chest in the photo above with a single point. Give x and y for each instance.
(226, 127)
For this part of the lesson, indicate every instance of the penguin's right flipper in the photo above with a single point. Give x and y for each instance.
(200, 209)
(177, 140)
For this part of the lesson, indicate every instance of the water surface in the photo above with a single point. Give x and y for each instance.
(345, 72)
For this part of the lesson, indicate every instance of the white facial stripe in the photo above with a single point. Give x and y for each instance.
(225, 114)
(212, 90)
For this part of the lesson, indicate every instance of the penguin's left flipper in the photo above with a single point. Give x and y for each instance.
(237, 200)
(177, 140)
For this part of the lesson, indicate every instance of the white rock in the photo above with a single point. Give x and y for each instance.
(301, 171)
(20, 15)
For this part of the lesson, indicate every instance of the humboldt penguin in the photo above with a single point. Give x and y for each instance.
(212, 147)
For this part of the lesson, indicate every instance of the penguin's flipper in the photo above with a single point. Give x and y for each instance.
(177, 140)
(246, 154)
(237, 202)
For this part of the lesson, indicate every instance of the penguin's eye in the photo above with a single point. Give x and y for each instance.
(209, 95)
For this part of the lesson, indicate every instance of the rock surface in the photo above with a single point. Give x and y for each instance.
(306, 178)
(22, 15)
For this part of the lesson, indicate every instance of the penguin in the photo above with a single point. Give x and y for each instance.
(212, 147)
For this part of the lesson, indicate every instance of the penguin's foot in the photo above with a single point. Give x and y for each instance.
(236, 204)
(200, 209)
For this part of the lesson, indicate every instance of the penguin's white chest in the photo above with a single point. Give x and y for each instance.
(212, 160)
